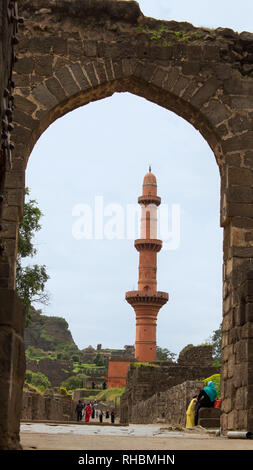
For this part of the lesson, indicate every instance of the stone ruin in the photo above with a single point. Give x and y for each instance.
(147, 381)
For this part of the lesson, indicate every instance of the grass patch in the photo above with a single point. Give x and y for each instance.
(145, 364)
(111, 395)
(77, 367)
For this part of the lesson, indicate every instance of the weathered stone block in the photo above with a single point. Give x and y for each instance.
(67, 81)
(14, 180)
(25, 65)
(25, 118)
(238, 86)
(205, 92)
(240, 123)
(144, 71)
(41, 45)
(44, 97)
(44, 65)
(89, 69)
(25, 104)
(11, 311)
(59, 45)
(209, 413)
(248, 159)
(100, 72)
(239, 176)
(90, 48)
(55, 88)
(209, 423)
(241, 194)
(191, 68)
(117, 69)
(79, 76)
(216, 112)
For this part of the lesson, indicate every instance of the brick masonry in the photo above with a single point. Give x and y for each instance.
(69, 57)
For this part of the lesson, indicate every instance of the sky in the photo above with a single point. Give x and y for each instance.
(94, 159)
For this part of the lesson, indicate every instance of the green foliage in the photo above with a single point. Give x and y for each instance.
(27, 227)
(77, 367)
(216, 380)
(163, 354)
(111, 395)
(37, 379)
(145, 364)
(64, 391)
(100, 360)
(74, 382)
(166, 37)
(36, 354)
(30, 280)
(215, 341)
(31, 388)
(67, 351)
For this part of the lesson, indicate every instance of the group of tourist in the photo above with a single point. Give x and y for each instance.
(205, 398)
(90, 410)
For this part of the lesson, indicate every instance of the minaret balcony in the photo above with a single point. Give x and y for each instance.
(148, 244)
(156, 298)
(149, 199)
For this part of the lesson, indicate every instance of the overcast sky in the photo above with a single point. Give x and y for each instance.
(101, 152)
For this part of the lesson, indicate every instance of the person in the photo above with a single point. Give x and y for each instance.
(206, 399)
(112, 416)
(88, 412)
(79, 410)
(93, 412)
(101, 414)
(190, 412)
(107, 414)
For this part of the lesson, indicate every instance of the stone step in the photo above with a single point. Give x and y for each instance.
(209, 417)
(209, 422)
(209, 412)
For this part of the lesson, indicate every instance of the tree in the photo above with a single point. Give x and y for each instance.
(215, 341)
(30, 280)
(99, 360)
(163, 354)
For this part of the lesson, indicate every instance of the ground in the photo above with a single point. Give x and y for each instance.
(45, 436)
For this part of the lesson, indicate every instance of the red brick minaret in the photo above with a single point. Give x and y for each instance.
(147, 301)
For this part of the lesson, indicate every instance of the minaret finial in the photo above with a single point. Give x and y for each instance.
(149, 168)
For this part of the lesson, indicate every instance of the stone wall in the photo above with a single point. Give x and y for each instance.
(146, 380)
(196, 355)
(168, 407)
(47, 407)
(57, 371)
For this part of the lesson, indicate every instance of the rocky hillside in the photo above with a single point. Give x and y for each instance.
(48, 333)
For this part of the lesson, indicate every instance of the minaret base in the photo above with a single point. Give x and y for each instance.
(146, 307)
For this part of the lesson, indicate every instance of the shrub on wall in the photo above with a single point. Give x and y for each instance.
(37, 379)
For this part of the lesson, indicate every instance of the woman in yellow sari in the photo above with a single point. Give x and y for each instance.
(190, 413)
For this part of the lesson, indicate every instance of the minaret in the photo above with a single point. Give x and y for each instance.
(147, 301)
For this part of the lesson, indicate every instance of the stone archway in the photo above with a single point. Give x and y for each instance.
(71, 53)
